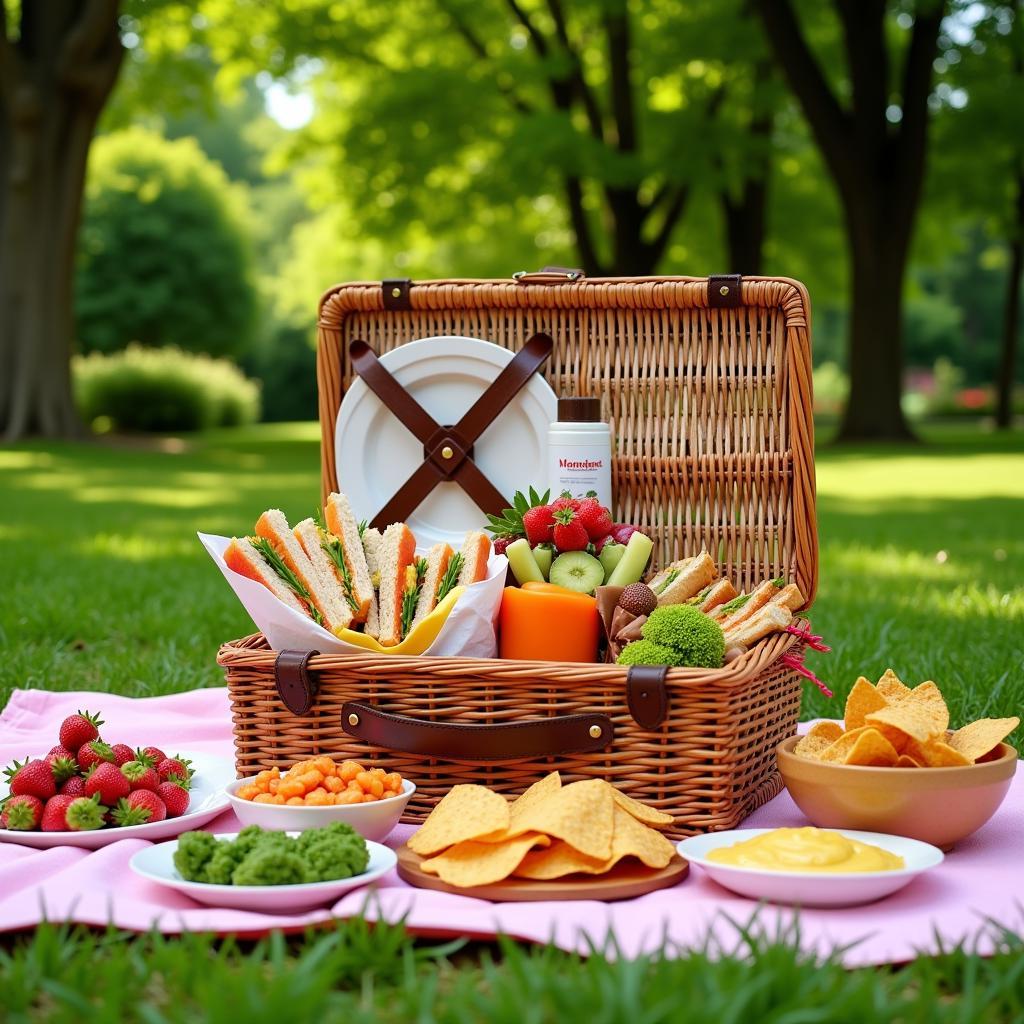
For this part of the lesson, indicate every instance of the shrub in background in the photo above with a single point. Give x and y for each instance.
(159, 390)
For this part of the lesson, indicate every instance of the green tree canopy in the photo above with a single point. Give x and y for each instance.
(164, 253)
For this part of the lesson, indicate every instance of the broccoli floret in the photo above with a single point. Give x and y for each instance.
(647, 652)
(334, 851)
(271, 865)
(221, 866)
(695, 637)
(193, 853)
(247, 839)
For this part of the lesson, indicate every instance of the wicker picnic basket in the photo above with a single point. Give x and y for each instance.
(707, 385)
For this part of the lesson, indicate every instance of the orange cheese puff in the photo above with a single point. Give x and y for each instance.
(333, 784)
(290, 788)
(264, 776)
(324, 764)
(277, 799)
(296, 801)
(349, 797)
(274, 783)
(349, 770)
(318, 798)
(393, 781)
(247, 792)
(262, 798)
(311, 779)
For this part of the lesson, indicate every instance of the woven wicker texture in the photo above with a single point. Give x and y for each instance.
(711, 415)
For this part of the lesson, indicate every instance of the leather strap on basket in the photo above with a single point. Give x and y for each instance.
(725, 291)
(447, 451)
(538, 737)
(295, 685)
(647, 695)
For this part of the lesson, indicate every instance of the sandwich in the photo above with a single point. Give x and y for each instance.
(400, 579)
(680, 581)
(244, 556)
(741, 608)
(473, 555)
(770, 618)
(437, 580)
(371, 538)
(341, 541)
(789, 597)
(319, 585)
(713, 595)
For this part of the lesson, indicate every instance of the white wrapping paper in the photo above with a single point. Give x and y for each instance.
(468, 632)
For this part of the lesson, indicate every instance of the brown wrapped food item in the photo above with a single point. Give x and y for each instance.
(619, 626)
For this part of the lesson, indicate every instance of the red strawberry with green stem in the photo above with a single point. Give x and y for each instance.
(176, 765)
(138, 808)
(21, 813)
(140, 775)
(78, 729)
(122, 753)
(569, 533)
(174, 793)
(154, 754)
(94, 752)
(596, 519)
(510, 526)
(31, 778)
(107, 781)
(538, 523)
(64, 767)
(72, 814)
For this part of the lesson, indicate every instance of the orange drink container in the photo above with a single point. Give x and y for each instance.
(547, 624)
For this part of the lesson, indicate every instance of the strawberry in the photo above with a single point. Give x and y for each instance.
(151, 755)
(65, 813)
(600, 543)
(623, 531)
(138, 807)
(538, 523)
(59, 751)
(92, 753)
(596, 519)
(174, 794)
(75, 786)
(122, 753)
(176, 765)
(78, 729)
(501, 544)
(140, 775)
(22, 813)
(569, 533)
(107, 780)
(64, 767)
(32, 778)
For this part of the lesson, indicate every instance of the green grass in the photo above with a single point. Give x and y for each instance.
(356, 974)
(107, 588)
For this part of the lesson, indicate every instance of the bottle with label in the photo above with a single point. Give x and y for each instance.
(580, 450)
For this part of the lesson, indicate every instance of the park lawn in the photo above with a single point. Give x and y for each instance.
(106, 588)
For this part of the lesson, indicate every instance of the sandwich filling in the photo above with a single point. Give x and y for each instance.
(414, 575)
(335, 551)
(287, 577)
(451, 576)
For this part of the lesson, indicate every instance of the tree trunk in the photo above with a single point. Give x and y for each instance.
(745, 226)
(55, 80)
(1007, 376)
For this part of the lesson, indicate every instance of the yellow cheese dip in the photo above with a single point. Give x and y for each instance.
(806, 849)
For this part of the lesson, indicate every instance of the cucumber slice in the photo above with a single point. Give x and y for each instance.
(577, 571)
(524, 566)
(633, 562)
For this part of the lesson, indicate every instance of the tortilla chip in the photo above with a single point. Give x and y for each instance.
(936, 753)
(558, 860)
(863, 699)
(818, 739)
(643, 813)
(465, 812)
(839, 748)
(905, 761)
(922, 716)
(872, 749)
(890, 687)
(631, 838)
(979, 738)
(472, 863)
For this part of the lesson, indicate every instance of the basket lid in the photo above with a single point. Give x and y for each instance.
(706, 383)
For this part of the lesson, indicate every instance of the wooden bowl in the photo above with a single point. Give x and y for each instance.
(940, 806)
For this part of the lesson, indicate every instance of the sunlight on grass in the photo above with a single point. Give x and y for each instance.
(135, 547)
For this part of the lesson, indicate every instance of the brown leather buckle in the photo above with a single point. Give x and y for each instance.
(647, 695)
(295, 685)
(725, 291)
(537, 737)
(447, 453)
(397, 293)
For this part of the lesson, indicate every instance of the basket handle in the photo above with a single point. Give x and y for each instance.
(549, 275)
(537, 737)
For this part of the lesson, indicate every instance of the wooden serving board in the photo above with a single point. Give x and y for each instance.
(626, 880)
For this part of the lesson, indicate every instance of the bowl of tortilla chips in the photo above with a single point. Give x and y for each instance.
(893, 765)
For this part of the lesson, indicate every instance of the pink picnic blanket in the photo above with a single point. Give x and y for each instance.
(979, 888)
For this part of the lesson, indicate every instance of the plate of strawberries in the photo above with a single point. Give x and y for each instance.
(89, 792)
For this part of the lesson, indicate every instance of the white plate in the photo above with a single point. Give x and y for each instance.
(156, 863)
(809, 888)
(206, 800)
(375, 454)
(374, 820)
